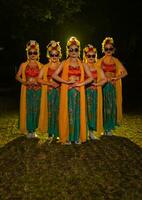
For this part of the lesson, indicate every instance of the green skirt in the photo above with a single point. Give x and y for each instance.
(109, 107)
(91, 102)
(53, 112)
(32, 109)
(74, 114)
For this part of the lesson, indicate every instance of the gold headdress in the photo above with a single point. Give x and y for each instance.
(87, 49)
(72, 41)
(53, 45)
(32, 44)
(107, 40)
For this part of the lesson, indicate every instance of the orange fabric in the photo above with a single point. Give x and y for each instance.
(43, 117)
(63, 112)
(99, 104)
(23, 128)
(118, 92)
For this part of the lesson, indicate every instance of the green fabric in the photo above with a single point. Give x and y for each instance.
(53, 112)
(33, 109)
(91, 101)
(74, 114)
(109, 107)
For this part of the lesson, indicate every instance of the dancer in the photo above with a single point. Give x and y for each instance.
(112, 90)
(30, 90)
(72, 114)
(49, 118)
(94, 92)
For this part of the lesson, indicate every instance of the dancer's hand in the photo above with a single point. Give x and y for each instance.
(114, 79)
(55, 85)
(78, 84)
(109, 79)
(71, 81)
(94, 84)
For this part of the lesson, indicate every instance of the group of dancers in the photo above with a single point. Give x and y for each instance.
(73, 99)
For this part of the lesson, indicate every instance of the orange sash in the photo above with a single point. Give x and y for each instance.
(43, 117)
(99, 104)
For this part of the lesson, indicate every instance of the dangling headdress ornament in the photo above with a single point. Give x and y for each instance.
(53, 45)
(107, 40)
(32, 44)
(89, 48)
(72, 41)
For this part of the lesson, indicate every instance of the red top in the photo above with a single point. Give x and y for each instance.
(74, 71)
(50, 72)
(32, 71)
(94, 74)
(109, 67)
(31, 74)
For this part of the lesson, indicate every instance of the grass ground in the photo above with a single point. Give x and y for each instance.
(109, 168)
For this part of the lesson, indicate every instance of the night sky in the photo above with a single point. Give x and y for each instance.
(90, 21)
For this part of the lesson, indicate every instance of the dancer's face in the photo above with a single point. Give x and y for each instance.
(109, 49)
(33, 54)
(54, 56)
(73, 51)
(90, 56)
